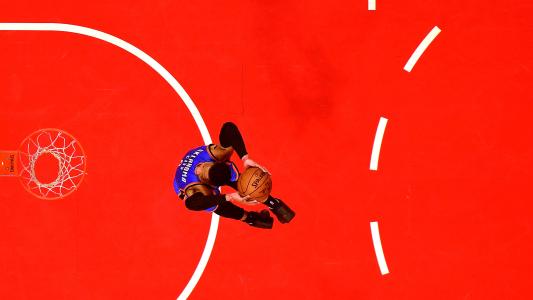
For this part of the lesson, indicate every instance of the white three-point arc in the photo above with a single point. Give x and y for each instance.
(172, 82)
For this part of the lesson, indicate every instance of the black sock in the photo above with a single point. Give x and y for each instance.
(272, 202)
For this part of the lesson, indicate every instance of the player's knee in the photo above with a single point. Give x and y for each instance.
(191, 204)
(229, 125)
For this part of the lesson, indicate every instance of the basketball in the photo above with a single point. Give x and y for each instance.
(255, 183)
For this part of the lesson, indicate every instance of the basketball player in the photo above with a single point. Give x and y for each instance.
(204, 169)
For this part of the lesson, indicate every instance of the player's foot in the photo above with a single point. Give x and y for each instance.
(280, 209)
(259, 219)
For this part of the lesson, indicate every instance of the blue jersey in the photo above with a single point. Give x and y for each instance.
(185, 175)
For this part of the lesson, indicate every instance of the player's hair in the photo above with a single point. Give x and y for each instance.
(219, 174)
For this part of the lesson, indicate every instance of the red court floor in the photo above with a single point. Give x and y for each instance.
(306, 82)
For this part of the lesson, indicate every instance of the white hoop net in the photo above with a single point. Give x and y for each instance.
(70, 157)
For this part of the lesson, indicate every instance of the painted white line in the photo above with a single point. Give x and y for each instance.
(421, 48)
(172, 82)
(377, 144)
(374, 229)
(371, 4)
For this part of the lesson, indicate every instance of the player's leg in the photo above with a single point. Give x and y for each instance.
(257, 219)
(276, 205)
(231, 136)
(280, 209)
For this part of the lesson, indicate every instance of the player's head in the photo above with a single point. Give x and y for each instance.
(217, 173)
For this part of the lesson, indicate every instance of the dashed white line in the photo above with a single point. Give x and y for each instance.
(377, 144)
(374, 229)
(173, 83)
(371, 4)
(421, 48)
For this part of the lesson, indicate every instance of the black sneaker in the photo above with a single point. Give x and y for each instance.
(280, 209)
(259, 219)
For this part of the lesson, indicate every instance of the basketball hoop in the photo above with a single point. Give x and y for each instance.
(54, 143)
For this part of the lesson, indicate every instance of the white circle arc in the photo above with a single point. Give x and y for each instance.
(173, 83)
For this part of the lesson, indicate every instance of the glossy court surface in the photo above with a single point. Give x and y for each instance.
(307, 84)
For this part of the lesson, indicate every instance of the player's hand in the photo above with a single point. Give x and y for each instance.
(247, 200)
(250, 163)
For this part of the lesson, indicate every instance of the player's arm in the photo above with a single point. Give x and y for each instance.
(199, 197)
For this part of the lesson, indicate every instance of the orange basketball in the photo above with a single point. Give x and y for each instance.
(256, 183)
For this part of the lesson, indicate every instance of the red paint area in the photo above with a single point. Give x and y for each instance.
(306, 83)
